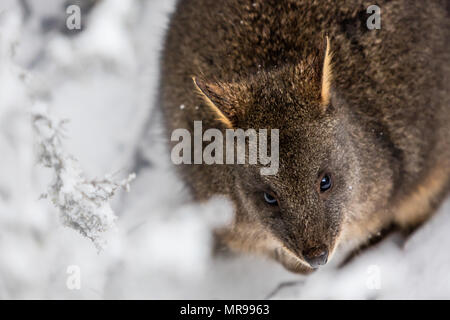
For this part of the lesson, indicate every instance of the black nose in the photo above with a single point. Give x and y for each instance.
(316, 256)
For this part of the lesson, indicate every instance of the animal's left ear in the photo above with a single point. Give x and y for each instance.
(327, 77)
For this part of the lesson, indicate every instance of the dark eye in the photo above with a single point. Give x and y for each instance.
(270, 199)
(325, 183)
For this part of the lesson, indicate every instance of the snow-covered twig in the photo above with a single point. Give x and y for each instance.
(83, 204)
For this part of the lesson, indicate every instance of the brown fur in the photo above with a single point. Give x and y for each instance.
(375, 114)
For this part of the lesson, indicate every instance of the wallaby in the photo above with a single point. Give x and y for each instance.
(363, 116)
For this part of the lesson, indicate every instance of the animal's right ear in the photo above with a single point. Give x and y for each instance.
(327, 76)
(218, 97)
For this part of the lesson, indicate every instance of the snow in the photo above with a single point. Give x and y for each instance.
(104, 81)
(83, 204)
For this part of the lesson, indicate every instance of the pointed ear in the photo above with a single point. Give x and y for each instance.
(218, 98)
(327, 77)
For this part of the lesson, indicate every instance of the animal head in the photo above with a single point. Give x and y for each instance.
(309, 202)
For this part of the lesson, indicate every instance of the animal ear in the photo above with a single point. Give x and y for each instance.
(327, 76)
(218, 98)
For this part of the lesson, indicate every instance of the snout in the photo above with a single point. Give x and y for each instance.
(316, 256)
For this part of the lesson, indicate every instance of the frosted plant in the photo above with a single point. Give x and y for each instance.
(83, 204)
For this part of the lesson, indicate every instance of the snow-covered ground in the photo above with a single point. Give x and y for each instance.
(103, 80)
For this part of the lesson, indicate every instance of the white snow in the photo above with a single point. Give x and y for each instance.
(83, 204)
(104, 82)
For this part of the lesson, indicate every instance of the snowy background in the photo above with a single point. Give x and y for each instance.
(103, 81)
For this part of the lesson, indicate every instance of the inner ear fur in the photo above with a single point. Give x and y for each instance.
(327, 76)
(218, 98)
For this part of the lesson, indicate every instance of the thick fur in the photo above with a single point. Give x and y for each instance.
(383, 132)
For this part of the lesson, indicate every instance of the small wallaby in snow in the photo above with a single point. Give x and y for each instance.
(363, 116)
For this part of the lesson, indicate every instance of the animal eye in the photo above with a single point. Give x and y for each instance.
(325, 183)
(270, 199)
